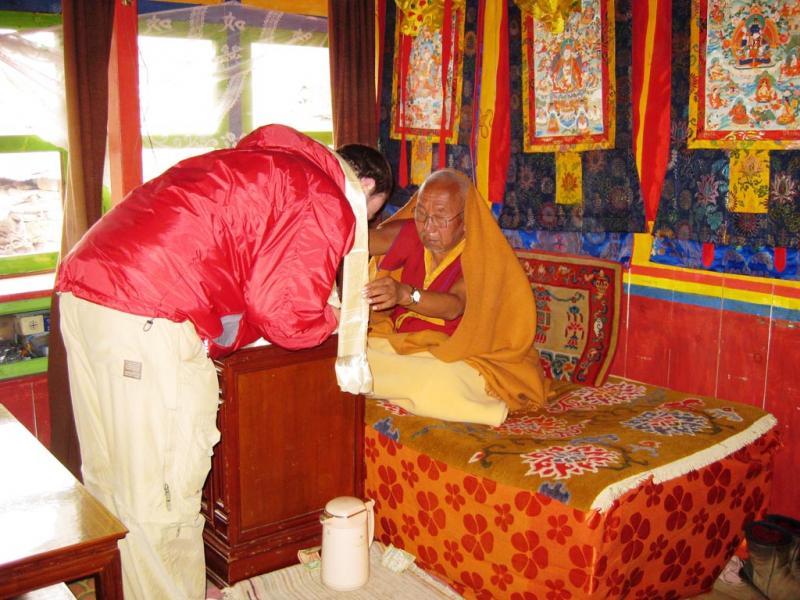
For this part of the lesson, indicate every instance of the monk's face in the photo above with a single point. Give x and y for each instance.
(439, 216)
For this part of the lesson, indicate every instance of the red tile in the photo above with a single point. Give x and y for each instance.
(783, 401)
(694, 345)
(648, 346)
(17, 395)
(743, 357)
(620, 353)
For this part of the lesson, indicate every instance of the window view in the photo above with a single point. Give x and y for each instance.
(210, 75)
(305, 99)
(31, 141)
(30, 203)
(177, 94)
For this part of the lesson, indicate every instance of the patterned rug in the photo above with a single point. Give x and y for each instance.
(83, 589)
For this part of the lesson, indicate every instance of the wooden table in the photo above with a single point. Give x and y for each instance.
(51, 529)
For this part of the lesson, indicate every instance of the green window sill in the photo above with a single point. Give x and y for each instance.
(23, 368)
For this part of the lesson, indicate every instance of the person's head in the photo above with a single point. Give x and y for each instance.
(373, 172)
(439, 213)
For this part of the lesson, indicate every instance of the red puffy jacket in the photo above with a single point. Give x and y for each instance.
(253, 235)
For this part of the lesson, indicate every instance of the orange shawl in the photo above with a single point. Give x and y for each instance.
(496, 333)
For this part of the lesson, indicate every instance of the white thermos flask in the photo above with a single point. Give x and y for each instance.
(348, 527)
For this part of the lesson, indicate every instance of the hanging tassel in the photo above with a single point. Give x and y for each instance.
(405, 50)
(708, 254)
(447, 38)
(780, 258)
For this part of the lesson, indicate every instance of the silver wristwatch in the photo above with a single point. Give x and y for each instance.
(415, 295)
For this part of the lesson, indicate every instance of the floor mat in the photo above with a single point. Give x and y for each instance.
(299, 582)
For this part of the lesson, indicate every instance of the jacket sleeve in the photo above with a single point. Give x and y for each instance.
(294, 272)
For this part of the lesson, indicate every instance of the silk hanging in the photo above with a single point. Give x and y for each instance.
(427, 119)
(571, 95)
(730, 100)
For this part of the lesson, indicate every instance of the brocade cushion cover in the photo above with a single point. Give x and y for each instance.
(577, 313)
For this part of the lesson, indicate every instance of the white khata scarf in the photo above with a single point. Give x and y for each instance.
(352, 369)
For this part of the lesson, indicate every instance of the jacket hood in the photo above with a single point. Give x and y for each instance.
(286, 139)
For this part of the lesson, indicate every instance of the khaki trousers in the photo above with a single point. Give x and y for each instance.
(145, 398)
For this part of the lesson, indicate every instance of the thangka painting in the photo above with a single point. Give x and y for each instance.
(572, 164)
(569, 101)
(733, 177)
(745, 85)
(428, 75)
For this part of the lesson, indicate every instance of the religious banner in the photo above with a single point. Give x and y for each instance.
(732, 186)
(428, 87)
(570, 100)
(427, 79)
(744, 92)
(745, 85)
(572, 165)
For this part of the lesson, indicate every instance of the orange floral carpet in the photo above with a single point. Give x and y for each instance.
(490, 539)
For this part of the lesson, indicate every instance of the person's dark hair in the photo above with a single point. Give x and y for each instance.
(366, 161)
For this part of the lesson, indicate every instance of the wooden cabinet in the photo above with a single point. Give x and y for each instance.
(291, 441)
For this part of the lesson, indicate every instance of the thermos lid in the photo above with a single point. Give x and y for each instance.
(345, 506)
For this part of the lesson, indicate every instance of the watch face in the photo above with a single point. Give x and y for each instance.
(415, 296)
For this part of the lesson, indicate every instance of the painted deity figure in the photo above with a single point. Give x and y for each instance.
(754, 39)
(764, 91)
(715, 98)
(791, 67)
(738, 113)
(567, 71)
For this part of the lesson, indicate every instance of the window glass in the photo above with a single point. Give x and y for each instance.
(291, 85)
(30, 203)
(29, 82)
(177, 86)
(157, 160)
(32, 147)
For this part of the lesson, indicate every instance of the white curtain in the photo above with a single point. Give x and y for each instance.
(32, 85)
(210, 74)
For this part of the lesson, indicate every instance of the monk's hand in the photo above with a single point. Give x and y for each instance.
(384, 293)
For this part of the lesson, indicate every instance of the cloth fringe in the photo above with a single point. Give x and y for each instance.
(606, 498)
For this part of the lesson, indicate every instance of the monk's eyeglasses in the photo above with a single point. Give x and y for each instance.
(436, 221)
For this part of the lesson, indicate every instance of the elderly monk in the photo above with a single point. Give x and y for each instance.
(453, 315)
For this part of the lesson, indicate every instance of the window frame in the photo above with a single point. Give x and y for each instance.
(241, 111)
(29, 264)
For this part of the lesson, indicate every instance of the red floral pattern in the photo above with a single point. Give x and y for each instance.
(583, 449)
(493, 541)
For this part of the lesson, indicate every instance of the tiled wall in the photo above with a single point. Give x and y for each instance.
(731, 337)
(26, 399)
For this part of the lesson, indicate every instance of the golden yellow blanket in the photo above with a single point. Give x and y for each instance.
(496, 332)
(589, 445)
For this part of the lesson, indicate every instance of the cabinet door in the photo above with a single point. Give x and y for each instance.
(291, 441)
(299, 444)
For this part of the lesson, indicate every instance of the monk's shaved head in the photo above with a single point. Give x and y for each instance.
(455, 182)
